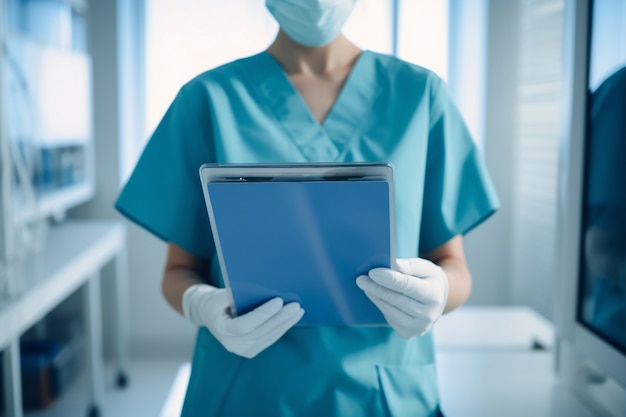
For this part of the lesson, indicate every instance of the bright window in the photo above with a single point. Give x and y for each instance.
(187, 37)
(370, 25)
(423, 34)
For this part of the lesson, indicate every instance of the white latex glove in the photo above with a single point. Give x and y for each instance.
(246, 335)
(411, 298)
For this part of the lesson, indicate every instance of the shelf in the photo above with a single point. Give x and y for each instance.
(72, 257)
(49, 203)
(73, 251)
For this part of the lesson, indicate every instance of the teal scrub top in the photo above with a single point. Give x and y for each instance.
(248, 111)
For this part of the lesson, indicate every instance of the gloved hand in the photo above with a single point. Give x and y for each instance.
(246, 335)
(411, 298)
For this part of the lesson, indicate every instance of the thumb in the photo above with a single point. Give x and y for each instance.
(417, 267)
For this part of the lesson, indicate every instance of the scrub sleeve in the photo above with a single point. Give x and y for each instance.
(458, 192)
(164, 194)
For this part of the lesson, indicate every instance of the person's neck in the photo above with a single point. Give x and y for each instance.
(299, 59)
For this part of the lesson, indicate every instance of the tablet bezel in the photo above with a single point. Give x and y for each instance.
(359, 171)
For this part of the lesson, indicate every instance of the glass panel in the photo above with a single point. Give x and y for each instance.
(602, 305)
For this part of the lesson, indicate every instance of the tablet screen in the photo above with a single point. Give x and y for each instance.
(304, 239)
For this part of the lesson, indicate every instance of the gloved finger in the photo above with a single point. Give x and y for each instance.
(393, 315)
(409, 285)
(274, 329)
(217, 299)
(248, 322)
(409, 305)
(369, 286)
(404, 324)
(277, 322)
(418, 267)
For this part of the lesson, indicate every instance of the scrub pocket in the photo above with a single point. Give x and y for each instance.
(410, 390)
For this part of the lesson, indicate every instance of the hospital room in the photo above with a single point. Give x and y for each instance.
(313, 208)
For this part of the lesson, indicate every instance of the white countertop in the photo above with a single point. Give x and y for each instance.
(489, 364)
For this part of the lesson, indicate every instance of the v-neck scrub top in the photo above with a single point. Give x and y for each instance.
(248, 111)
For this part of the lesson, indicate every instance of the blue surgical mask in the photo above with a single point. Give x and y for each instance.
(311, 22)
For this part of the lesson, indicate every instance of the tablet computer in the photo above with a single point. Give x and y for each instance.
(302, 232)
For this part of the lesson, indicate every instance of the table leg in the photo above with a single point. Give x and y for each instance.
(121, 317)
(93, 326)
(12, 379)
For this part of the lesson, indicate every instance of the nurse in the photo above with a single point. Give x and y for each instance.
(315, 96)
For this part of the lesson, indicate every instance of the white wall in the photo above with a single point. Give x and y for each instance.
(488, 247)
(154, 327)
